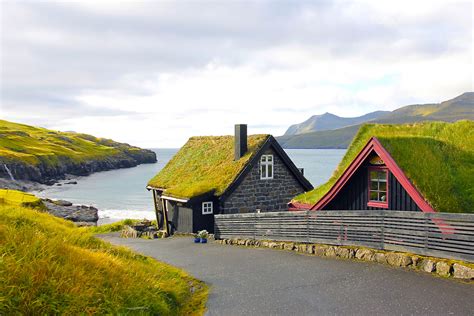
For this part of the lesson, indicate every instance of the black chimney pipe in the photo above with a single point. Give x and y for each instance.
(240, 140)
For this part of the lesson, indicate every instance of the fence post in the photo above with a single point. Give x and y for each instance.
(307, 226)
(255, 226)
(382, 231)
(426, 222)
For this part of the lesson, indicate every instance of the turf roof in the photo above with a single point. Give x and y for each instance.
(205, 164)
(437, 157)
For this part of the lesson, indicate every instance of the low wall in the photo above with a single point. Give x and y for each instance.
(430, 234)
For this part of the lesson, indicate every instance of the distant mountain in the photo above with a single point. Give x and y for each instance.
(459, 108)
(328, 121)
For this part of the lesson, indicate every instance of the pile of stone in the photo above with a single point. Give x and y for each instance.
(81, 215)
(143, 229)
(442, 267)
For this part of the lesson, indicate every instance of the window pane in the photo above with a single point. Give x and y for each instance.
(373, 175)
(373, 196)
(383, 186)
(383, 196)
(382, 176)
(270, 171)
(270, 157)
(373, 185)
(263, 171)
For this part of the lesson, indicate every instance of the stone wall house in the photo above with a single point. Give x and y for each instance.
(224, 175)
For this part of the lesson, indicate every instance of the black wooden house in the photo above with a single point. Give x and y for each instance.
(412, 167)
(224, 175)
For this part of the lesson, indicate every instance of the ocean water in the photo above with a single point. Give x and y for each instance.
(122, 194)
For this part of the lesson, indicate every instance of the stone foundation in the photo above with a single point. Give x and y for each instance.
(442, 267)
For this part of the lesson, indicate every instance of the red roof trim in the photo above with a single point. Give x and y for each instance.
(375, 145)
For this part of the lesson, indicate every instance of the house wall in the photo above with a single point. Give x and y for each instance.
(267, 195)
(354, 195)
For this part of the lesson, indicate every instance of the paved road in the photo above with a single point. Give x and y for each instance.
(248, 281)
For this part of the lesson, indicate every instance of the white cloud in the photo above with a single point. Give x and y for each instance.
(153, 74)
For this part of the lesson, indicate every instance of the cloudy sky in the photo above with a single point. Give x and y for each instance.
(154, 73)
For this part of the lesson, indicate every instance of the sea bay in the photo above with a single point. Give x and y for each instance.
(122, 193)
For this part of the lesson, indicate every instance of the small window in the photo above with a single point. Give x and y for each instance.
(207, 208)
(266, 167)
(378, 187)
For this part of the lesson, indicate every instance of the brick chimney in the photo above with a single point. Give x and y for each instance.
(240, 141)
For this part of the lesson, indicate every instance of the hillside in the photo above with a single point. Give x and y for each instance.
(328, 121)
(459, 108)
(43, 155)
(50, 267)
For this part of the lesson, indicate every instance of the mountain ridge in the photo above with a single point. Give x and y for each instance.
(329, 121)
(458, 108)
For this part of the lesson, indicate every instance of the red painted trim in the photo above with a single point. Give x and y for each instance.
(378, 203)
(374, 145)
(295, 206)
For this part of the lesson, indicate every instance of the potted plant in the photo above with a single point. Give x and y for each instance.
(203, 234)
(197, 239)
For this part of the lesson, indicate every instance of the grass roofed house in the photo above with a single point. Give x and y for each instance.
(411, 167)
(223, 175)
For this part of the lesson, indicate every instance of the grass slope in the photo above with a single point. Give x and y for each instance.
(34, 145)
(19, 198)
(437, 157)
(48, 266)
(204, 164)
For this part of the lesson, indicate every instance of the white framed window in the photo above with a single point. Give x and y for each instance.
(266, 167)
(207, 208)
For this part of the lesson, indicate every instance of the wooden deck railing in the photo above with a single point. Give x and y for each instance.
(431, 234)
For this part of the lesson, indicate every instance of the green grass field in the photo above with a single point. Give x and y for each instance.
(48, 266)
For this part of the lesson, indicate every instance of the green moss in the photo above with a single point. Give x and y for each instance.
(204, 164)
(49, 267)
(34, 145)
(437, 157)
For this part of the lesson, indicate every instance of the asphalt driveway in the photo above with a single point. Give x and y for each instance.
(258, 281)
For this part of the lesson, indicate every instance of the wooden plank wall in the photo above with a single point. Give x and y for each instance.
(432, 234)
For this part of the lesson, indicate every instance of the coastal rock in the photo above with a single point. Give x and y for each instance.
(75, 213)
(46, 173)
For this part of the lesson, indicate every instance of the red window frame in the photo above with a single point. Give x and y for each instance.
(377, 203)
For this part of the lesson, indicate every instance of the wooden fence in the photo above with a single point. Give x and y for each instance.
(431, 234)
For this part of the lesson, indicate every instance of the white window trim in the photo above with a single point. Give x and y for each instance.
(207, 208)
(265, 164)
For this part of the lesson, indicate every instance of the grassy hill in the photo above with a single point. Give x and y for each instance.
(459, 108)
(48, 266)
(39, 154)
(437, 157)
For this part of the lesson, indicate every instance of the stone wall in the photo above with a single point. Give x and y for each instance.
(266, 195)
